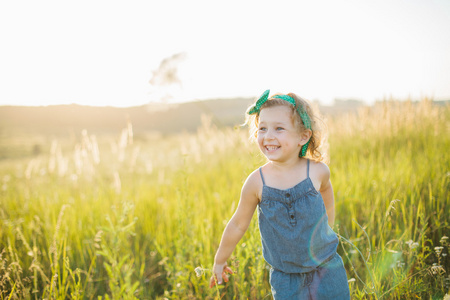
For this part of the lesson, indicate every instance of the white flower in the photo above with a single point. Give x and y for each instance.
(412, 244)
(438, 250)
(198, 271)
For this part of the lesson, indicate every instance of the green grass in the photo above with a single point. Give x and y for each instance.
(144, 219)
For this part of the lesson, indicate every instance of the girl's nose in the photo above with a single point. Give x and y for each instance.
(269, 134)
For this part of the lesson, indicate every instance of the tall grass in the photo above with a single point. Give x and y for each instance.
(130, 218)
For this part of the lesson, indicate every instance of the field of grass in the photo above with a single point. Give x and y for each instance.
(124, 218)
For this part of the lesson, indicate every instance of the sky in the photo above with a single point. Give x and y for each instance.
(111, 53)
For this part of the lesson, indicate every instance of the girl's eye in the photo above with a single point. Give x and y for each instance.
(280, 128)
(262, 129)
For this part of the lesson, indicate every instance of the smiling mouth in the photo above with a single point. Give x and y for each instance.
(272, 148)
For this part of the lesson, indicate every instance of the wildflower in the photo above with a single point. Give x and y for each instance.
(400, 264)
(438, 250)
(412, 244)
(198, 271)
(437, 269)
(351, 280)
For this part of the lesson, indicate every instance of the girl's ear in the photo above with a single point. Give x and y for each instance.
(305, 136)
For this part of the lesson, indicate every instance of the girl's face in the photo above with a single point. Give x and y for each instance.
(278, 137)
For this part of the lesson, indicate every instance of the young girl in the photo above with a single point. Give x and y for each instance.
(295, 203)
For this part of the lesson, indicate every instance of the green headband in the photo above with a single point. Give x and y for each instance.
(255, 109)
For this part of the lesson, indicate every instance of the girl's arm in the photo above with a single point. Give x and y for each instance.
(235, 229)
(326, 190)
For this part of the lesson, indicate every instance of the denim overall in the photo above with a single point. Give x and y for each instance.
(299, 244)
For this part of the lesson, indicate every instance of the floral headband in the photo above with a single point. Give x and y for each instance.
(255, 109)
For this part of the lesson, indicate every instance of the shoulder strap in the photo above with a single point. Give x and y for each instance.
(262, 177)
(307, 169)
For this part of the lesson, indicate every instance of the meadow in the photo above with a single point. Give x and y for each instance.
(130, 218)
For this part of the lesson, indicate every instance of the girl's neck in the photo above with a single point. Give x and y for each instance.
(287, 166)
(285, 176)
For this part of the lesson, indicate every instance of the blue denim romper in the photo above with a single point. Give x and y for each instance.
(299, 244)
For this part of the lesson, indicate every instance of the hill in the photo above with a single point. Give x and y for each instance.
(60, 120)
(26, 130)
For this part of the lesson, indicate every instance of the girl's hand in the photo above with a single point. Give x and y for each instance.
(219, 273)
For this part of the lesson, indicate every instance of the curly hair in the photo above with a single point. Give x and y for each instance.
(318, 127)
